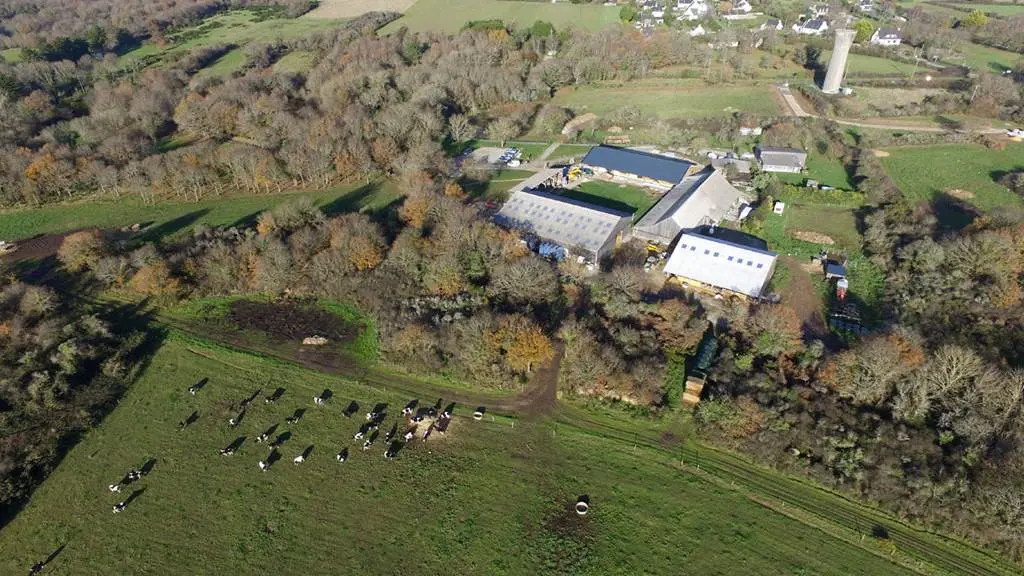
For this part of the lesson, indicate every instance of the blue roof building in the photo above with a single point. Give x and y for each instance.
(634, 164)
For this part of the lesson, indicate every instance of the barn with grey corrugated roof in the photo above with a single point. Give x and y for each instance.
(700, 199)
(581, 228)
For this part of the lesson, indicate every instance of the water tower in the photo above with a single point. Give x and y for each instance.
(837, 63)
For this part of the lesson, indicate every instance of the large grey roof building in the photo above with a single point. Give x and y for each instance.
(581, 228)
(654, 168)
(781, 159)
(700, 199)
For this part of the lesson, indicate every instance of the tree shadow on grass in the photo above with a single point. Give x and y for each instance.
(597, 201)
(953, 214)
(352, 201)
(131, 322)
(171, 227)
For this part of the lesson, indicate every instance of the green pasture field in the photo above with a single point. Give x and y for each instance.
(452, 15)
(987, 58)
(1002, 9)
(172, 217)
(924, 171)
(298, 61)
(872, 65)
(237, 27)
(225, 65)
(489, 497)
(614, 196)
(12, 55)
(566, 151)
(497, 185)
(669, 99)
(829, 213)
(827, 171)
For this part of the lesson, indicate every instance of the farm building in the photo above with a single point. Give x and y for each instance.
(781, 159)
(701, 199)
(638, 167)
(721, 264)
(566, 226)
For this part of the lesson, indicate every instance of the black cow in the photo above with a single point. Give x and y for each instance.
(274, 397)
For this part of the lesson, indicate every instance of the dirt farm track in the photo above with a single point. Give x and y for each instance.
(334, 9)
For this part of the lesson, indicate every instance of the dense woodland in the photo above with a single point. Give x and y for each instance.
(74, 120)
(924, 415)
(31, 23)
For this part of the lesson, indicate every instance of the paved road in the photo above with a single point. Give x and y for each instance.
(796, 110)
(918, 549)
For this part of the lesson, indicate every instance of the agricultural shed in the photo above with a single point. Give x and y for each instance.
(781, 159)
(700, 199)
(581, 228)
(721, 264)
(630, 164)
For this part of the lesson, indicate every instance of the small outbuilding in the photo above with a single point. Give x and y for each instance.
(775, 159)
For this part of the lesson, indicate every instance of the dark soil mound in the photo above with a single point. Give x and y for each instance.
(290, 320)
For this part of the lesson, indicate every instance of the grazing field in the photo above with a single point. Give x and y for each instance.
(486, 498)
(1003, 9)
(922, 172)
(496, 185)
(987, 58)
(335, 9)
(225, 65)
(615, 196)
(173, 217)
(669, 99)
(237, 27)
(297, 61)
(858, 64)
(566, 151)
(12, 55)
(452, 15)
(826, 171)
(801, 231)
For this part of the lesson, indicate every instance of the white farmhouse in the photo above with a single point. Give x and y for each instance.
(886, 37)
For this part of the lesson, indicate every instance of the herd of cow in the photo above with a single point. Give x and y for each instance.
(414, 416)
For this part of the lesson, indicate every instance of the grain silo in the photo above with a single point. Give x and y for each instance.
(837, 63)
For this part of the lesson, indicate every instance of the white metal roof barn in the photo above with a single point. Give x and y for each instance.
(576, 226)
(722, 264)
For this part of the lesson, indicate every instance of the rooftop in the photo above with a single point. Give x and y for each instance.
(782, 156)
(566, 222)
(645, 164)
(703, 198)
(887, 32)
(722, 264)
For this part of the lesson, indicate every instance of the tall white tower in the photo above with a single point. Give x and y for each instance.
(837, 63)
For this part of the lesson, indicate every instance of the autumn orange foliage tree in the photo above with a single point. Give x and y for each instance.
(154, 280)
(81, 250)
(523, 342)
